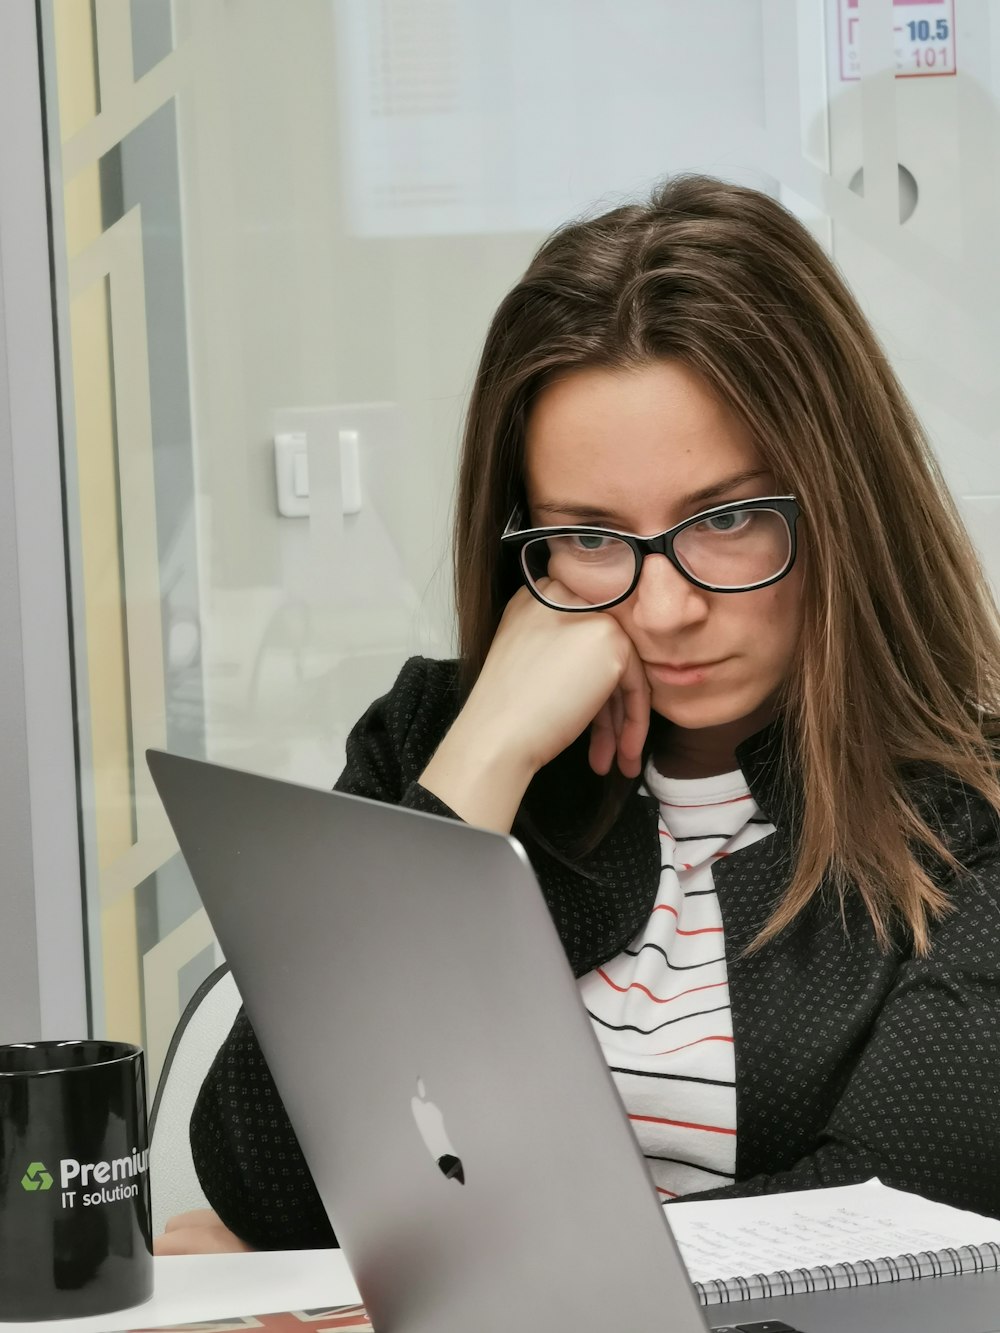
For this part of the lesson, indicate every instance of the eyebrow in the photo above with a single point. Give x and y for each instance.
(694, 501)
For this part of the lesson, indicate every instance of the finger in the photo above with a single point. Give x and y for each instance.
(559, 593)
(617, 705)
(182, 1240)
(603, 741)
(199, 1240)
(634, 691)
(197, 1217)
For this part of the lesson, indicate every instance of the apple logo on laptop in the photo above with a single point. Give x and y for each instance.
(430, 1123)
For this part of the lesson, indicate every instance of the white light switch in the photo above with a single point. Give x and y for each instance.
(300, 474)
(291, 474)
(350, 471)
(291, 470)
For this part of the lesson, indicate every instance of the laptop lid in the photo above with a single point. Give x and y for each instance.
(415, 1006)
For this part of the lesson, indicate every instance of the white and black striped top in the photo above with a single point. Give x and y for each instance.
(661, 1007)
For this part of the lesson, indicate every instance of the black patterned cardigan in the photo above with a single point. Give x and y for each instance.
(851, 1062)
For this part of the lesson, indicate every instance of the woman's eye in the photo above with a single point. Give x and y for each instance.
(730, 522)
(590, 541)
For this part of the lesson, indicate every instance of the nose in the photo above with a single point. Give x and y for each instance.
(664, 599)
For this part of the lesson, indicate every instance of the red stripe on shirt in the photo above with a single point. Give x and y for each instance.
(681, 1124)
(705, 930)
(658, 999)
(706, 805)
(674, 1049)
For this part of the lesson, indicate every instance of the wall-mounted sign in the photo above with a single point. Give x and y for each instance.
(924, 32)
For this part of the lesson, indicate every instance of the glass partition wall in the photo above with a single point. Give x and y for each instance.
(280, 231)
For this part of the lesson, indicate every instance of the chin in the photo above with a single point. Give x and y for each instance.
(685, 709)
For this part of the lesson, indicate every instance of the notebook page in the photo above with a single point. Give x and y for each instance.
(726, 1238)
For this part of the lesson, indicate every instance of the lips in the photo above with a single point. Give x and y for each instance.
(682, 666)
(681, 673)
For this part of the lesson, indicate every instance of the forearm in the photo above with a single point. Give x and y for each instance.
(478, 776)
(832, 1164)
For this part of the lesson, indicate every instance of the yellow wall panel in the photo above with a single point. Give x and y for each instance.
(76, 71)
(103, 591)
(122, 1002)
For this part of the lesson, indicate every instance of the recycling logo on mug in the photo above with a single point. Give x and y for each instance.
(36, 1177)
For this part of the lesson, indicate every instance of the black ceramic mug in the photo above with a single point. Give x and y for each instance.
(75, 1224)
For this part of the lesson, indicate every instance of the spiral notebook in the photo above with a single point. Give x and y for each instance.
(827, 1239)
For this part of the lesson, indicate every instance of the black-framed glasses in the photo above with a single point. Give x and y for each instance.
(734, 547)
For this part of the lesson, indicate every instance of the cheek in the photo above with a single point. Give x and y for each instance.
(622, 615)
(774, 617)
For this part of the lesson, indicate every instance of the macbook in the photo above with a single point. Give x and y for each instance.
(415, 1006)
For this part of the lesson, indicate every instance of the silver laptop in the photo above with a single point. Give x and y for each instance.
(415, 1006)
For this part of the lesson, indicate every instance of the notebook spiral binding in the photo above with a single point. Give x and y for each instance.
(865, 1273)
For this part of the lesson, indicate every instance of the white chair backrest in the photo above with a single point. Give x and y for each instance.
(203, 1027)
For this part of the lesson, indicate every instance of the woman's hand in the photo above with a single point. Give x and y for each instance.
(547, 676)
(198, 1232)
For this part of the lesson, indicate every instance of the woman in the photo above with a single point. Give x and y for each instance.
(748, 753)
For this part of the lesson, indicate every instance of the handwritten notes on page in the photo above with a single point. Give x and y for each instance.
(729, 1238)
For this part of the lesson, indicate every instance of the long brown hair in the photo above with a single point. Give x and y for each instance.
(899, 657)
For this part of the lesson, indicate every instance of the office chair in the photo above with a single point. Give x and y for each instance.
(203, 1027)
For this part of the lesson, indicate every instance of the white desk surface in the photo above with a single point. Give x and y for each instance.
(212, 1286)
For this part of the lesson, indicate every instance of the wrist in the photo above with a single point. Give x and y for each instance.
(480, 774)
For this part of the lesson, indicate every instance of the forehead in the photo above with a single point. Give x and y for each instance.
(635, 441)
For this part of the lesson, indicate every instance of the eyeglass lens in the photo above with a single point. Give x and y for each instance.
(731, 550)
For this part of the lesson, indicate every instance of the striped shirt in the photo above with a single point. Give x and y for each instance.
(661, 1008)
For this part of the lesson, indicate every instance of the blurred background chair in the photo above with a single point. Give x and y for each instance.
(203, 1026)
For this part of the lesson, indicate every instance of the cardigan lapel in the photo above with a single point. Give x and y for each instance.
(768, 769)
(600, 902)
